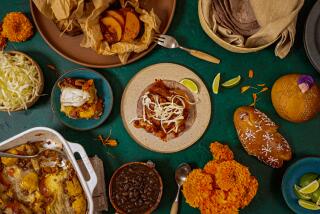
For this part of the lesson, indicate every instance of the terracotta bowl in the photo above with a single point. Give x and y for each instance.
(149, 164)
(220, 41)
(41, 79)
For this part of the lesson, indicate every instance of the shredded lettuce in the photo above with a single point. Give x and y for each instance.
(19, 81)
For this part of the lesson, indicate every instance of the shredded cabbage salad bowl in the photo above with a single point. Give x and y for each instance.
(21, 81)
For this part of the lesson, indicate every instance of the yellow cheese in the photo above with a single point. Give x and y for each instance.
(29, 182)
(10, 161)
(79, 205)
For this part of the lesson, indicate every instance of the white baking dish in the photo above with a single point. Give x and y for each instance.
(45, 134)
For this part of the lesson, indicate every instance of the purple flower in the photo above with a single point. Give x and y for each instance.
(305, 82)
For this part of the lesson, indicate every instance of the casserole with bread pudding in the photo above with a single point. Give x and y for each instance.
(52, 183)
(47, 184)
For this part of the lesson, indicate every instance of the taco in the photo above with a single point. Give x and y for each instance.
(166, 109)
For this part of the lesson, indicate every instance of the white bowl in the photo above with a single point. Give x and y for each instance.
(44, 134)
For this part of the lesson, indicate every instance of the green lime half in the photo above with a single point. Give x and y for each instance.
(300, 195)
(216, 84)
(318, 202)
(192, 86)
(310, 188)
(232, 82)
(308, 205)
(307, 179)
(316, 196)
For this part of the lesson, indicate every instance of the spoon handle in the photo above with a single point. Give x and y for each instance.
(174, 207)
(175, 204)
(8, 155)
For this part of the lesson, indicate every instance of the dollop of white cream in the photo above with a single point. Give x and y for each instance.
(74, 97)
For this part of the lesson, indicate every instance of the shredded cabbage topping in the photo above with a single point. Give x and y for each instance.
(19, 81)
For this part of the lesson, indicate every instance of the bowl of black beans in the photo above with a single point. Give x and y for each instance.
(135, 188)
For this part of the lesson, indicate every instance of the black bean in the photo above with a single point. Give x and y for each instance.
(136, 188)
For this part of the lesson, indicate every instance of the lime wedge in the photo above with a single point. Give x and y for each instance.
(192, 86)
(308, 205)
(307, 179)
(232, 82)
(300, 195)
(310, 188)
(216, 83)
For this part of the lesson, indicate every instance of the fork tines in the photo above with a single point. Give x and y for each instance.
(158, 38)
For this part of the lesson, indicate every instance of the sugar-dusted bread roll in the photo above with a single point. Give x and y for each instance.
(260, 137)
(296, 97)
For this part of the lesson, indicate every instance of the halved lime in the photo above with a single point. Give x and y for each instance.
(307, 179)
(310, 188)
(232, 82)
(192, 86)
(300, 195)
(216, 83)
(308, 205)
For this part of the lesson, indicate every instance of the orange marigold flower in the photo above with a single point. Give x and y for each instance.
(211, 167)
(3, 40)
(221, 152)
(17, 27)
(197, 187)
(231, 173)
(223, 186)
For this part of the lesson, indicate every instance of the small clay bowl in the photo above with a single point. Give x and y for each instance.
(41, 80)
(150, 166)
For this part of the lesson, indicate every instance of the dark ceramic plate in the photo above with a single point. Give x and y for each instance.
(103, 89)
(292, 177)
(312, 36)
(69, 47)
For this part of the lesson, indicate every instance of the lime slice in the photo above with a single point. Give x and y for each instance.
(216, 83)
(192, 86)
(300, 195)
(232, 82)
(310, 188)
(307, 179)
(308, 205)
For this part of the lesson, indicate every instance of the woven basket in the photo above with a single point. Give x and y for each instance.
(41, 78)
(220, 41)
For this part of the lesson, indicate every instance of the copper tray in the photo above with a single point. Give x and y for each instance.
(69, 47)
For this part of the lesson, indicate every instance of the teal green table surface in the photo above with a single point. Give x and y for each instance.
(304, 138)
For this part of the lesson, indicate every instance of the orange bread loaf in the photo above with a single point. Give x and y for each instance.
(259, 136)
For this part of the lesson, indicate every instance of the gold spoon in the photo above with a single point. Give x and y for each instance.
(180, 175)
